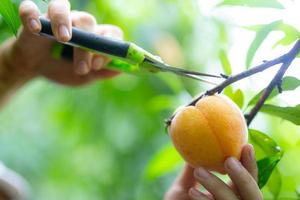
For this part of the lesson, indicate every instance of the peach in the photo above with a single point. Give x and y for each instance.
(209, 132)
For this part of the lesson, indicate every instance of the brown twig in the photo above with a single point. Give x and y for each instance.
(275, 82)
(285, 59)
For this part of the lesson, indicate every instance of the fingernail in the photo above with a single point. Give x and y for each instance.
(233, 164)
(251, 152)
(195, 193)
(98, 63)
(64, 33)
(82, 68)
(34, 25)
(201, 173)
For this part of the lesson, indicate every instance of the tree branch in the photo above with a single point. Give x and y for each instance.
(275, 82)
(285, 59)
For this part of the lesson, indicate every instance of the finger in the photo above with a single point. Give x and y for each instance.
(244, 182)
(197, 195)
(108, 30)
(186, 179)
(214, 185)
(59, 14)
(248, 160)
(83, 59)
(29, 14)
(100, 61)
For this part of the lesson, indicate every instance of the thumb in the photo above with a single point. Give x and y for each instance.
(186, 179)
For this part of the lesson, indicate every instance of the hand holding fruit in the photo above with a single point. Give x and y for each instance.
(212, 135)
(30, 54)
(243, 186)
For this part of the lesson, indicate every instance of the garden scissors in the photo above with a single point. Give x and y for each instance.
(126, 56)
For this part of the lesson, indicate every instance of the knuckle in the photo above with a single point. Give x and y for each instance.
(87, 18)
(58, 16)
(54, 4)
(110, 29)
(51, 7)
(245, 180)
(117, 30)
(28, 8)
(58, 12)
(84, 20)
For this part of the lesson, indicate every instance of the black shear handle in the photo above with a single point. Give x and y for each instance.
(90, 41)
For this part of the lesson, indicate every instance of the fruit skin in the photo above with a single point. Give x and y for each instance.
(209, 132)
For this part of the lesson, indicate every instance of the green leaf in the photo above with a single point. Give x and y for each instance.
(225, 62)
(254, 3)
(10, 15)
(164, 161)
(288, 83)
(272, 154)
(264, 142)
(238, 98)
(228, 91)
(265, 168)
(261, 35)
(291, 114)
(275, 182)
(291, 34)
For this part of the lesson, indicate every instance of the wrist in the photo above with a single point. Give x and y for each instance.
(11, 75)
(12, 61)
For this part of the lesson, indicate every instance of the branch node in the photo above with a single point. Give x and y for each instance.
(264, 61)
(224, 76)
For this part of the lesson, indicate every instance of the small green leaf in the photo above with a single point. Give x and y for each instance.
(225, 62)
(291, 114)
(291, 34)
(261, 35)
(10, 15)
(265, 168)
(272, 155)
(238, 98)
(264, 142)
(228, 91)
(288, 83)
(254, 3)
(164, 161)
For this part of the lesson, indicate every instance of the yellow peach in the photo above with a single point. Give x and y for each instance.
(209, 132)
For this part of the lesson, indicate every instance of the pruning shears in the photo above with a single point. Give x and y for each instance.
(126, 56)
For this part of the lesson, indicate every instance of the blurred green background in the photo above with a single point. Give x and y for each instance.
(107, 140)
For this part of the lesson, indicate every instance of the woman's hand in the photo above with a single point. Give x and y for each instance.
(243, 186)
(30, 54)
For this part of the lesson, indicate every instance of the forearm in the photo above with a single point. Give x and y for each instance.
(10, 77)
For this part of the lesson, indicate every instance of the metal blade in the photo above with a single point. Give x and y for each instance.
(179, 71)
(195, 78)
(182, 72)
